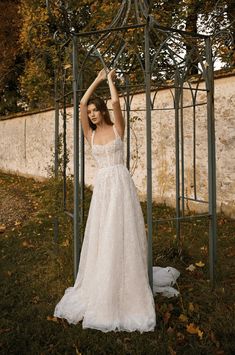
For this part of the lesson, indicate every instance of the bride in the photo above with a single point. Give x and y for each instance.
(111, 290)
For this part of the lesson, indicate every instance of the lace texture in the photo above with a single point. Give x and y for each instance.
(112, 291)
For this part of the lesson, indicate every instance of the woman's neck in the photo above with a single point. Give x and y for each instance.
(102, 125)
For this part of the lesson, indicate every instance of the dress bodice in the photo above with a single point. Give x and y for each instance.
(109, 154)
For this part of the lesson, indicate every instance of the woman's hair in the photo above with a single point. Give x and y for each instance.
(102, 107)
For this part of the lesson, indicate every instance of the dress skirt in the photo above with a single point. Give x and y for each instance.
(112, 291)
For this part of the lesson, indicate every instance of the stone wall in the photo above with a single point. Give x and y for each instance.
(26, 146)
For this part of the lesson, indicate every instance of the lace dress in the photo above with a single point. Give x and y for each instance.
(112, 291)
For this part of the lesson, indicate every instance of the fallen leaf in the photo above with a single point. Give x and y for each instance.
(200, 264)
(53, 319)
(170, 330)
(35, 299)
(200, 333)
(2, 228)
(193, 329)
(191, 268)
(180, 337)
(183, 318)
(204, 248)
(65, 243)
(231, 254)
(17, 223)
(171, 351)
(26, 244)
(191, 307)
(166, 317)
(67, 66)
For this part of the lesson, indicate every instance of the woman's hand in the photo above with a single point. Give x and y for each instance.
(102, 75)
(112, 74)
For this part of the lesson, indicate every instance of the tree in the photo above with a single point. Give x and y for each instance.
(11, 60)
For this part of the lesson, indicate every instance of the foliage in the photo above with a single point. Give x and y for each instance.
(11, 61)
(37, 81)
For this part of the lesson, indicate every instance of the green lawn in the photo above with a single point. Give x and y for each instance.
(35, 270)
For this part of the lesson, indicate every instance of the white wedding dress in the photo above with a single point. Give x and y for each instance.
(112, 291)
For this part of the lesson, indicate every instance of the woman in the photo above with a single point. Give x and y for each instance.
(111, 291)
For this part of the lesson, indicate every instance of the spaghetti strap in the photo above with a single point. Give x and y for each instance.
(92, 137)
(115, 131)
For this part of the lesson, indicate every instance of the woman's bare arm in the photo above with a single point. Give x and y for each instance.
(84, 100)
(119, 120)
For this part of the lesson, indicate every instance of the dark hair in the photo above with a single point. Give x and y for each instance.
(102, 107)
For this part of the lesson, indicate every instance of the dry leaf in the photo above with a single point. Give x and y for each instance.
(204, 248)
(26, 244)
(200, 264)
(190, 268)
(191, 307)
(180, 337)
(183, 318)
(170, 330)
(166, 317)
(171, 351)
(53, 319)
(193, 329)
(2, 228)
(67, 66)
(35, 299)
(200, 333)
(65, 243)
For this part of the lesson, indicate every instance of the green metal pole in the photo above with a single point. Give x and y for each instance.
(211, 161)
(76, 219)
(56, 161)
(177, 155)
(149, 154)
(182, 149)
(128, 121)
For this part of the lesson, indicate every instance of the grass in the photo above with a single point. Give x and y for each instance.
(35, 270)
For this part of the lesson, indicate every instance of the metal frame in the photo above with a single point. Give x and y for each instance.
(101, 43)
(152, 45)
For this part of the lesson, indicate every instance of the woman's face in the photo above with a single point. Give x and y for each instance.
(94, 114)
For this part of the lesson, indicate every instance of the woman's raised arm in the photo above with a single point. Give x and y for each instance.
(119, 120)
(84, 100)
